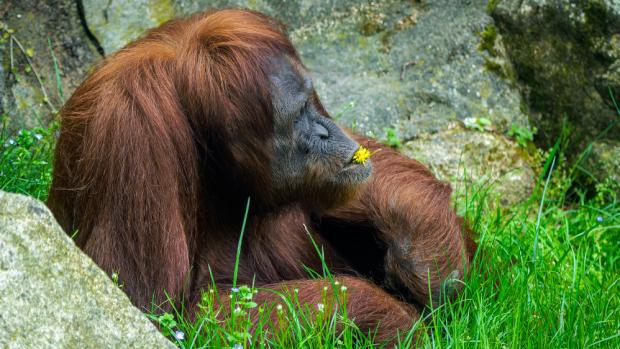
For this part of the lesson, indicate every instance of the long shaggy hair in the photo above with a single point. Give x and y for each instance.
(165, 140)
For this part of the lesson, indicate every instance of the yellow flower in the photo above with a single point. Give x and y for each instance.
(361, 155)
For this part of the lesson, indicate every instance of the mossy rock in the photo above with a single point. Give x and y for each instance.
(603, 163)
(32, 34)
(485, 161)
(566, 56)
(115, 23)
(53, 295)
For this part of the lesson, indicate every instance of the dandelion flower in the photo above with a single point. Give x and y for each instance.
(361, 155)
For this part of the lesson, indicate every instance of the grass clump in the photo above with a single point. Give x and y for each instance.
(26, 160)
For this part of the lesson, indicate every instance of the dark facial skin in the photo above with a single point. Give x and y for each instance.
(310, 151)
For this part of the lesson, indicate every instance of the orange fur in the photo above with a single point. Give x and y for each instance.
(163, 143)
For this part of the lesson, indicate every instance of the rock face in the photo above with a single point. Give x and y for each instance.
(30, 91)
(566, 54)
(604, 163)
(413, 68)
(54, 296)
(115, 23)
(478, 161)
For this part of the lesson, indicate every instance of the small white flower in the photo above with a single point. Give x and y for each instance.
(320, 306)
(235, 289)
(211, 290)
(238, 310)
(179, 335)
(279, 307)
(296, 290)
(343, 288)
(336, 283)
(599, 219)
(38, 136)
(325, 288)
(237, 346)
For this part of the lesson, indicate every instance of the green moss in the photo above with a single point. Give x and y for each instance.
(162, 11)
(494, 67)
(491, 5)
(368, 26)
(487, 40)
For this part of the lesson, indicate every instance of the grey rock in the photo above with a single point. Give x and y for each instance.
(485, 162)
(26, 100)
(115, 23)
(412, 67)
(54, 296)
(566, 56)
(603, 163)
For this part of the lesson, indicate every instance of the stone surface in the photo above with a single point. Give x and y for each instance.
(54, 296)
(484, 161)
(603, 163)
(566, 55)
(116, 22)
(25, 53)
(415, 68)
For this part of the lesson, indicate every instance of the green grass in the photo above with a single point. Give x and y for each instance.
(26, 160)
(547, 275)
